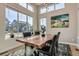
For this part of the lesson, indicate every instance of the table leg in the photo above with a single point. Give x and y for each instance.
(25, 50)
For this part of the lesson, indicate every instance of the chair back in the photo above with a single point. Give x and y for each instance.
(56, 44)
(27, 34)
(51, 51)
(58, 34)
(53, 44)
(37, 32)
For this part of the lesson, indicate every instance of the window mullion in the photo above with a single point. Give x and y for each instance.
(17, 22)
(28, 22)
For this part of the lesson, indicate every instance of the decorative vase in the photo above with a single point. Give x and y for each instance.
(43, 35)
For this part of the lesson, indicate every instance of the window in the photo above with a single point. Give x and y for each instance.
(30, 23)
(23, 5)
(43, 22)
(59, 6)
(27, 5)
(50, 8)
(30, 7)
(42, 10)
(22, 22)
(17, 22)
(11, 20)
(25, 23)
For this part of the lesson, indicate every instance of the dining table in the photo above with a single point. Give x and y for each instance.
(37, 41)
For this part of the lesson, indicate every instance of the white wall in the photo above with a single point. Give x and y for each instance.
(2, 21)
(78, 25)
(67, 34)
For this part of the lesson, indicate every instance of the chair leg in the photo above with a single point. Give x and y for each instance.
(56, 48)
(55, 51)
(36, 53)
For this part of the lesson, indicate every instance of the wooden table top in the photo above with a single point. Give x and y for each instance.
(36, 41)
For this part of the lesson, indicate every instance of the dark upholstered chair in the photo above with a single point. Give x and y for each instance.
(37, 32)
(51, 47)
(47, 50)
(56, 43)
(27, 34)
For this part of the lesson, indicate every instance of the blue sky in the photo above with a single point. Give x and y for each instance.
(10, 15)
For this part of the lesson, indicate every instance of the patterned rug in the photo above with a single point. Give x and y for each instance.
(64, 50)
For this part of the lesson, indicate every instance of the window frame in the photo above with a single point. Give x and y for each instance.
(17, 18)
(28, 22)
(30, 5)
(44, 9)
(22, 15)
(27, 6)
(11, 10)
(42, 22)
(60, 7)
(50, 6)
(21, 4)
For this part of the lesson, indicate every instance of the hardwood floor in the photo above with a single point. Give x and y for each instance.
(74, 51)
(73, 47)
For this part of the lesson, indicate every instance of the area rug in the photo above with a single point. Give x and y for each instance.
(64, 50)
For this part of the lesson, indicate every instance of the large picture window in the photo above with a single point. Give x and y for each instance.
(17, 22)
(22, 22)
(11, 20)
(30, 23)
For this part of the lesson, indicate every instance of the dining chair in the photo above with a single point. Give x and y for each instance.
(56, 43)
(27, 34)
(37, 32)
(47, 50)
(50, 41)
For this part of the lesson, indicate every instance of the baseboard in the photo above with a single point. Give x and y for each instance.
(74, 44)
